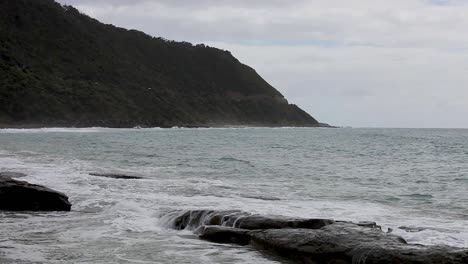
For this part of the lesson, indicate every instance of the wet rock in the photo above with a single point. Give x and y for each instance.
(312, 240)
(335, 243)
(277, 222)
(196, 218)
(116, 176)
(22, 196)
(350, 243)
(222, 234)
(369, 224)
(10, 174)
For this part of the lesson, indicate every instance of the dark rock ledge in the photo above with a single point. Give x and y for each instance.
(22, 196)
(311, 240)
(116, 176)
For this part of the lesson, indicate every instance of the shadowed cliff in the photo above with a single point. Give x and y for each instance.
(59, 67)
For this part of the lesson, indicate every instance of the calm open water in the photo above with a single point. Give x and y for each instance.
(413, 178)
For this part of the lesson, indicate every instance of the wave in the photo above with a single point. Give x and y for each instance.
(418, 196)
(264, 198)
(231, 159)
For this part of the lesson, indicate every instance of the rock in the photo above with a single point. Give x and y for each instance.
(222, 234)
(196, 218)
(22, 196)
(277, 222)
(369, 224)
(312, 240)
(350, 243)
(10, 174)
(116, 176)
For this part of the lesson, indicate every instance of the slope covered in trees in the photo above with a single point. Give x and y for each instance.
(59, 67)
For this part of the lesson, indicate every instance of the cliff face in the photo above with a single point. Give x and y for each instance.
(59, 67)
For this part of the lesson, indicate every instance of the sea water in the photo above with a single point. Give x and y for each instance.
(413, 181)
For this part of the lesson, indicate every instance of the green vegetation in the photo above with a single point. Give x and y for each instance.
(59, 67)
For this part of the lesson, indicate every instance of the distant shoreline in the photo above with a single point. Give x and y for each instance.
(36, 125)
(161, 127)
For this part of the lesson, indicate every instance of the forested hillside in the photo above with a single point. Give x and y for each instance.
(59, 67)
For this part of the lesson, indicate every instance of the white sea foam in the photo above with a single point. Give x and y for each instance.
(185, 171)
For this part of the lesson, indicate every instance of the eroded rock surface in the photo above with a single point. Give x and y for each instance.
(196, 218)
(311, 240)
(22, 196)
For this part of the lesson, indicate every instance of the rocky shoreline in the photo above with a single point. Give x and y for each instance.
(300, 240)
(311, 240)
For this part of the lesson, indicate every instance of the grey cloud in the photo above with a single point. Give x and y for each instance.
(280, 21)
(359, 63)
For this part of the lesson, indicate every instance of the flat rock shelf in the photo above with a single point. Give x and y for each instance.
(311, 240)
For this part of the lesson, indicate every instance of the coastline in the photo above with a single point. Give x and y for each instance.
(40, 126)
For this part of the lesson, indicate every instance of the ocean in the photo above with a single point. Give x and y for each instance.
(412, 181)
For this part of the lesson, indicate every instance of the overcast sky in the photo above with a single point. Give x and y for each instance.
(360, 63)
